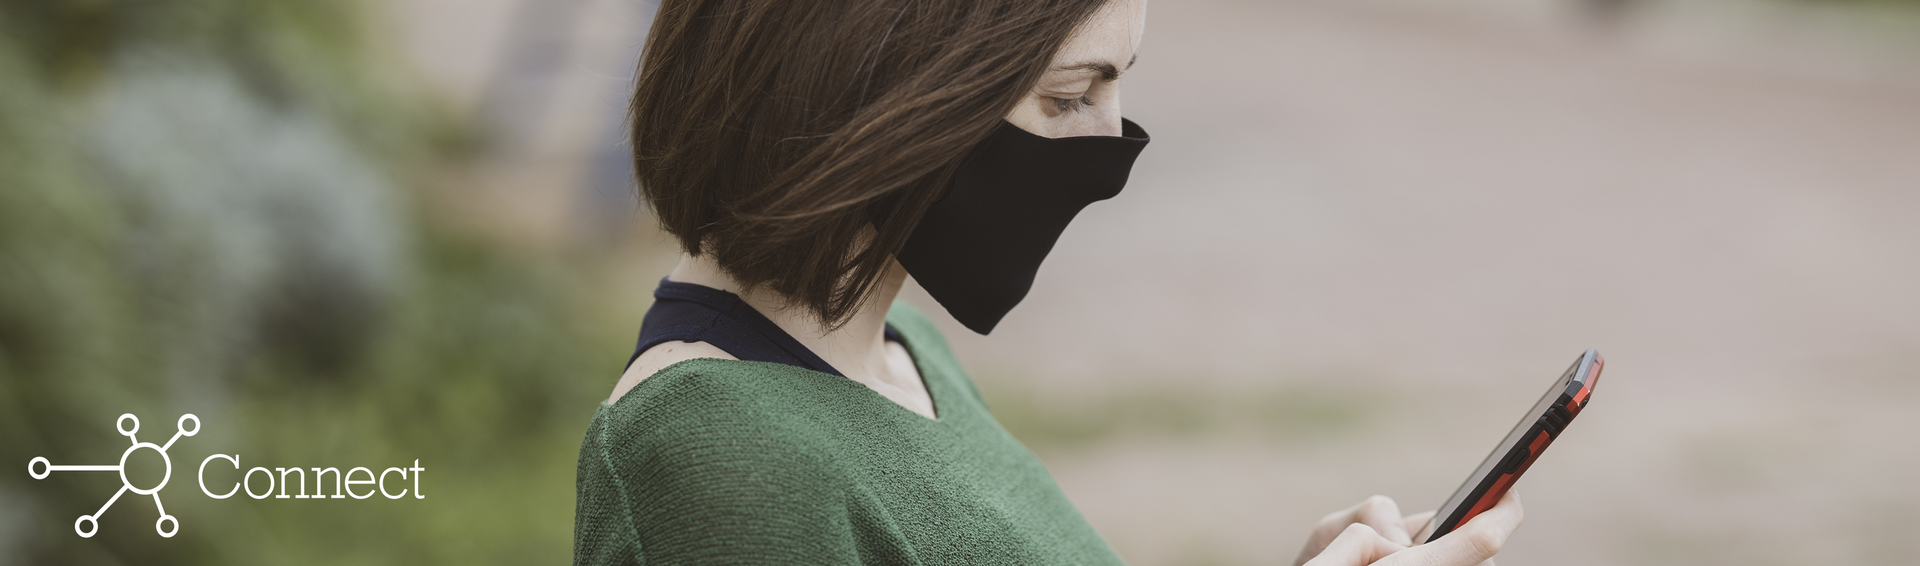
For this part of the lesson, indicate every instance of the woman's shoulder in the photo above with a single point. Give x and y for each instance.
(660, 357)
(703, 414)
(696, 393)
(708, 393)
(702, 451)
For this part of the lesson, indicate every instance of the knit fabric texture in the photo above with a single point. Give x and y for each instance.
(715, 461)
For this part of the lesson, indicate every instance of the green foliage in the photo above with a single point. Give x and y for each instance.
(206, 207)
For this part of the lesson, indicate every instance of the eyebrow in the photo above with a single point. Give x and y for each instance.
(1106, 69)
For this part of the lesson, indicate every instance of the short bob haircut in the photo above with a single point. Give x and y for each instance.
(771, 133)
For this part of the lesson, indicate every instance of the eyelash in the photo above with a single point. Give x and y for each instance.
(1072, 104)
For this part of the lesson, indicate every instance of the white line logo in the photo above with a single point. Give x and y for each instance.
(87, 525)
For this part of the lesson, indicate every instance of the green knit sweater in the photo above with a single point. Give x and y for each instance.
(731, 462)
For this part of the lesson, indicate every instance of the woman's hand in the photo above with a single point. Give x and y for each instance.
(1373, 532)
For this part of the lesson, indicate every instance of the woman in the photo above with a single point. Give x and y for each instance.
(809, 155)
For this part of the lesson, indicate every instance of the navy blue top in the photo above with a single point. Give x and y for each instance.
(686, 312)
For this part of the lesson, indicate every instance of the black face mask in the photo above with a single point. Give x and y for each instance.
(977, 249)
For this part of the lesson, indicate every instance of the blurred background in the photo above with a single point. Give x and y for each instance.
(350, 233)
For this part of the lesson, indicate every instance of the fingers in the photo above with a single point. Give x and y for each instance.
(1381, 513)
(1357, 545)
(1378, 512)
(1474, 542)
(1417, 522)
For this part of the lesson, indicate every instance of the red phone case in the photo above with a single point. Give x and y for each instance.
(1547, 426)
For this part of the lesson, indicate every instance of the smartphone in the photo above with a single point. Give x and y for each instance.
(1523, 445)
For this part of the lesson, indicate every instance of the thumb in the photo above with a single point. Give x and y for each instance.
(1473, 543)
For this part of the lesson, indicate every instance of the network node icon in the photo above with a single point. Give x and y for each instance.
(87, 525)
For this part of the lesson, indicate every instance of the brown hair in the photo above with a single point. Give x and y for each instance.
(771, 133)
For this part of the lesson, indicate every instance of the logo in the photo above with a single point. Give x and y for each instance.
(87, 525)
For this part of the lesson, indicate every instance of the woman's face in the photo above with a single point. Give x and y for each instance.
(1080, 94)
